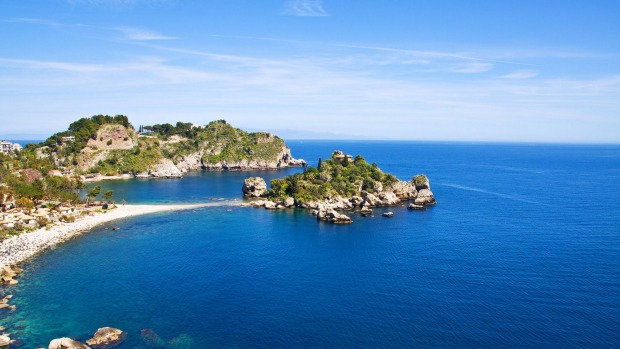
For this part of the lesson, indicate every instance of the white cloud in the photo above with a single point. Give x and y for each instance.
(139, 34)
(306, 8)
(521, 74)
(473, 67)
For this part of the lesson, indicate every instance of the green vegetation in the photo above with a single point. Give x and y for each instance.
(221, 141)
(138, 159)
(340, 175)
(420, 180)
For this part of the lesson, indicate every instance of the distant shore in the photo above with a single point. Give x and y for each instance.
(17, 249)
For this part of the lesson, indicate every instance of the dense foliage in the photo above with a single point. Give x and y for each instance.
(166, 130)
(223, 142)
(340, 175)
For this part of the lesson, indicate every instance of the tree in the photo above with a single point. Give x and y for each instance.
(25, 203)
(93, 193)
(107, 195)
(6, 196)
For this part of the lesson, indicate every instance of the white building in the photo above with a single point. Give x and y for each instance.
(8, 147)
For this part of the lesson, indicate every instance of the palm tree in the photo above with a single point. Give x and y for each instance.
(6, 196)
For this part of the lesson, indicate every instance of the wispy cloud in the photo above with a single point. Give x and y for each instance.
(305, 8)
(473, 67)
(139, 34)
(115, 3)
(520, 74)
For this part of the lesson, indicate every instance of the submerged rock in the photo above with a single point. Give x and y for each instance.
(388, 214)
(152, 339)
(107, 337)
(67, 343)
(183, 341)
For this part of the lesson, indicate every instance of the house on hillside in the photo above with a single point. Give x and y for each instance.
(9, 147)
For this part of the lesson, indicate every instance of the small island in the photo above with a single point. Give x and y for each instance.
(339, 183)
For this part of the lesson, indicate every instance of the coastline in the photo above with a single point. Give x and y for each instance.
(19, 248)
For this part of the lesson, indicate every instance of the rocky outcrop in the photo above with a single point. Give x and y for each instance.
(7, 275)
(112, 137)
(30, 175)
(416, 207)
(67, 343)
(254, 187)
(190, 162)
(5, 341)
(425, 197)
(107, 337)
(405, 190)
(282, 160)
(165, 168)
(328, 214)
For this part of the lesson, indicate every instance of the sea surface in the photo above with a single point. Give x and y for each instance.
(521, 251)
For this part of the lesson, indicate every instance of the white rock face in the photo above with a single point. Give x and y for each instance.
(425, 197)
(107, 337)
(165, 168)
(254, 187)
(190, 162)
(405, 190)
(67, 343)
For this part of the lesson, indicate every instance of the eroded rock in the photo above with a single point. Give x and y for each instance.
(67, 343)
(254, 187)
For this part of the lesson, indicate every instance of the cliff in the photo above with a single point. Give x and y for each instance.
(112, 146)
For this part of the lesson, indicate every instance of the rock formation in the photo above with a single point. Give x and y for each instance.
(164, 169)
(67, 343)
(254, 187)
(107, 337)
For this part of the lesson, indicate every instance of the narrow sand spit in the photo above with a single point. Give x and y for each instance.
(21, 247)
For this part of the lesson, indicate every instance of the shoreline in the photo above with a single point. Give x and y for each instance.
(22, 247)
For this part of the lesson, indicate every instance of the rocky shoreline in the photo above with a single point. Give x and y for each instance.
(167, 168)
(19, 248)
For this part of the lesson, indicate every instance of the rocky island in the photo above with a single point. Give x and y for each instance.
(339, 183)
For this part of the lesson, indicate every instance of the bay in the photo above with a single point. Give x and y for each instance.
(522, 250)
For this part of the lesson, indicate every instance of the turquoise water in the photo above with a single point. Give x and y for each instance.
(522, 251)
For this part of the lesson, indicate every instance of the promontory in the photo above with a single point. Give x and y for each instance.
(111, 146)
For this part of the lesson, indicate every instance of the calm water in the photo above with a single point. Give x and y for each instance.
(522, 251)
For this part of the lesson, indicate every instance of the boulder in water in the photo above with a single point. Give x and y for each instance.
(107, 337)
(67, 343)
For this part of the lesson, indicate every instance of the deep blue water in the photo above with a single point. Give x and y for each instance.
(522, 251)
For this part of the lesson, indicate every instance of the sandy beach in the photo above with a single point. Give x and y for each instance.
(19, 248)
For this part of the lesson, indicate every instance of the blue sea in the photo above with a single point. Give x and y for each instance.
(521, 251)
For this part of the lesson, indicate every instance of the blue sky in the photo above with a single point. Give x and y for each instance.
(532, 71)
